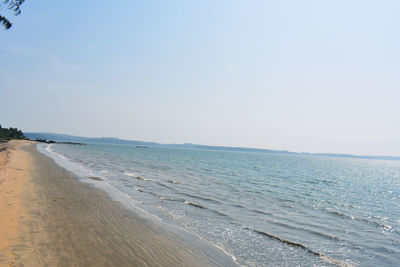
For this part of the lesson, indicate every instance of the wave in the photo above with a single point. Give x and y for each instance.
(171, 198)
(137, 177)
(219, 213)
(96, 178)
(152, 193)
(167, 198)
(132, 175)
(142, 179)
(194, 204)
(236, 205)
(378, 224)
(164, 185)
(138, 188)
(51, 151)
(79, 169)
(205, 208)
(294, 244)
(201, 198)
(173, 182)
(262, 212)
(304, 228)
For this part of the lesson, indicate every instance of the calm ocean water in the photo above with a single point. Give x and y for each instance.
(262, 209)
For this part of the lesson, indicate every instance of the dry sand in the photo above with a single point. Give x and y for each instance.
(49, 218)
(15, 182)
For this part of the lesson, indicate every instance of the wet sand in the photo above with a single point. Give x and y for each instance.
(55, 220)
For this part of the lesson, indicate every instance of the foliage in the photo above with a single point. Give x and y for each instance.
(11, 133)
(14, 6)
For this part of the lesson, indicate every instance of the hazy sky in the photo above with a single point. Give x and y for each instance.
(317, 76)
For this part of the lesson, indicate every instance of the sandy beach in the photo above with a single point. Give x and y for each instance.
(50, 218)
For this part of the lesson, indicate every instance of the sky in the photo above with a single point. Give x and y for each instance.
(304, 76)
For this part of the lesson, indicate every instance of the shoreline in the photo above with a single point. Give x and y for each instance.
(63, 221)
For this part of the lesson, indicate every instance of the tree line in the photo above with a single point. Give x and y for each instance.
(11, 133)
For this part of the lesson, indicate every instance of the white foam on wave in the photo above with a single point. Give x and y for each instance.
(336, 262)
(129, 174)
(64, 162)
(51, 151)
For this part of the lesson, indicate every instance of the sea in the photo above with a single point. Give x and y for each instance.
(260, 209)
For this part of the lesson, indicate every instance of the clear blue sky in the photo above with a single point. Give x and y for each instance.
(318, 76)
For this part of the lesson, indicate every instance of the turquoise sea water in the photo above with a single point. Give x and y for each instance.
(262, 209)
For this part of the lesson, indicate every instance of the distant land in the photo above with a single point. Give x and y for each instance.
(113, 140)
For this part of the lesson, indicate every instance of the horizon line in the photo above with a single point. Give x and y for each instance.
(265, 150)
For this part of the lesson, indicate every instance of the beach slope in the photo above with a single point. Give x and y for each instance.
(50, 218)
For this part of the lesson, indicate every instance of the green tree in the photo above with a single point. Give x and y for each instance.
(11, 133)
(14, 6)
